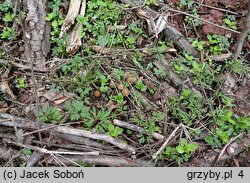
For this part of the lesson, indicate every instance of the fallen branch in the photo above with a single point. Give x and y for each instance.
(28, 124)
(136, 128)
(167, 141)
(34, 158)
(174, 78)
(69, 21)
(243, 35)
(75, 35)
(46, 151)
(111, 161)
(158, 22)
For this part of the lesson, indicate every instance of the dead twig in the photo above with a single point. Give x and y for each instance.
(28, 124)
(167, 141)
(187, 14)
(243, 35)
(102, 160)
(225, 147)
(220, 9)
(136, 128)
(46, 151)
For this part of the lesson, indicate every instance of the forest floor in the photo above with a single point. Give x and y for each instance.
(124, 83)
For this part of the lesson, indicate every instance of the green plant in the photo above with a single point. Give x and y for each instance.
(149, 124)
(100, 23)
(27, 151)
(8, 33)
(238, 66)
(182, 152)
(188, 107)
(119, 98)
(114, 131)
(9, 17)
(228, 125)
(151, 2)
(118, 73)
(91, 117)
(217, 43)
(141, 86)
(230, 22)
(76, 110)
(6, 6)
(199, 45)
(56, 18)
(20, 83)
(186, 4)
(204, 74)
(50, 114)
(193, 22)
(160, 72)
(104, 83)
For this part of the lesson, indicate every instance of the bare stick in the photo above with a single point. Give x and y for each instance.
(103, 160)
(167, 141)
(184, 13)
(220, 9)
(136, 128)
(224, 148)
(97, 136)
(28, 124)
(243, 35)
(46, 151)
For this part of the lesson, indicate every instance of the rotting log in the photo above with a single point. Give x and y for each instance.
(153, 18)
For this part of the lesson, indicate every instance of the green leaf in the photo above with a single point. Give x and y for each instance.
(102, 41)
(27, 152)
(180, 149)
(141, 86)
(104, 89)
(191, 147)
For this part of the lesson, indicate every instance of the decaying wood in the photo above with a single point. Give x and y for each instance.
(143, 101)
(158, 22)
(136, 128)
(5, 87)
(73, 11)
(112, 161)
(36, 35)
(28, 124)
(174, 78)
(220, 58)
(75, 42)
(81, 140)
(179, 40)
(34, 158)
